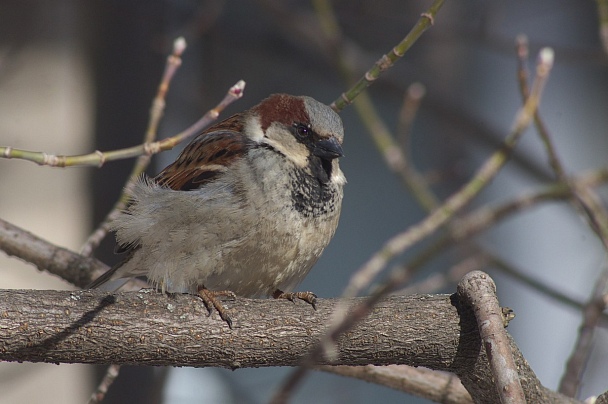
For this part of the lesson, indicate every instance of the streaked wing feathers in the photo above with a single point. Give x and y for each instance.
(206, 157)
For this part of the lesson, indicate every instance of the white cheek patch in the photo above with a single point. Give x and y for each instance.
(253, 128)
(294, 151)
(283, 141)
(337, 176)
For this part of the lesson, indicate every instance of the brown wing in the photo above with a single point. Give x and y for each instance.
(199, 163)
(206, 156)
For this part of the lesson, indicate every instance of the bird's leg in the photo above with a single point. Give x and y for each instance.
(211, 301)
(308, 297)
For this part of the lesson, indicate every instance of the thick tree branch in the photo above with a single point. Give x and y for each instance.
(70, 266)
(148, 328)
(479, 291)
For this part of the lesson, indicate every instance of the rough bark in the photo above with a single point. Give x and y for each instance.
(72, 267)
(148, 328)
(478, 290)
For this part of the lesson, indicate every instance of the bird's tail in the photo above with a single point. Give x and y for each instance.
(107, 276)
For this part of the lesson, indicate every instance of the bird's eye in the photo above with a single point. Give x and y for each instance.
(302, 130)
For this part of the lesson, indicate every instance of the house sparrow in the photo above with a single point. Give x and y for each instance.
(246, 209)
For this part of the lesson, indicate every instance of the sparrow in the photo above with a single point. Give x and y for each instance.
(246, 209)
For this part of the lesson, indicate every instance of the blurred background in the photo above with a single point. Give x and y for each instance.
(78, 76)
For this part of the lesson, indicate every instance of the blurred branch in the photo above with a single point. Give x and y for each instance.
(102, 388)
(394, 155)
(459, 199)
(471, 225)
(68, 265)
(398, 243)
(602, 11)
(409, 109)
(99, 158)
(571, 380)
(588, 203)
(438, 386)
(543, 132)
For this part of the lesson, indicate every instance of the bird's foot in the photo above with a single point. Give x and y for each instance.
(308, 297)
(211, 301)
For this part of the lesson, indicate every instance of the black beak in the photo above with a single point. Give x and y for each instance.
(328, 149)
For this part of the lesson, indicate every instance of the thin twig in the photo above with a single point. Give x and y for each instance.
(543, 132)
(571, 380)
(483, 218)
(592, 312)
(586, 202)
(98, 158)
(394, 155)
(413, 179)
(388, 60)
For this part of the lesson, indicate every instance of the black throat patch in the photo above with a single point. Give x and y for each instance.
(312, 195)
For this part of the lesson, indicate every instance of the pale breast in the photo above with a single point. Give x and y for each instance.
(251, 231)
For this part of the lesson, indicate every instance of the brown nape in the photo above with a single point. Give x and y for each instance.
(281, 108)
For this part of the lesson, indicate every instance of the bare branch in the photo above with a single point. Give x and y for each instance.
(541, 127)
(68, 265)
(111, 374)
(471, 225)
(441, 387)
(95, 327)
(395, 155)
(388, 60)
(488, 170)
(479, 291)
(592, 313)
(588, 203)
(602, 11)
(98, 158)
(409, 109)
